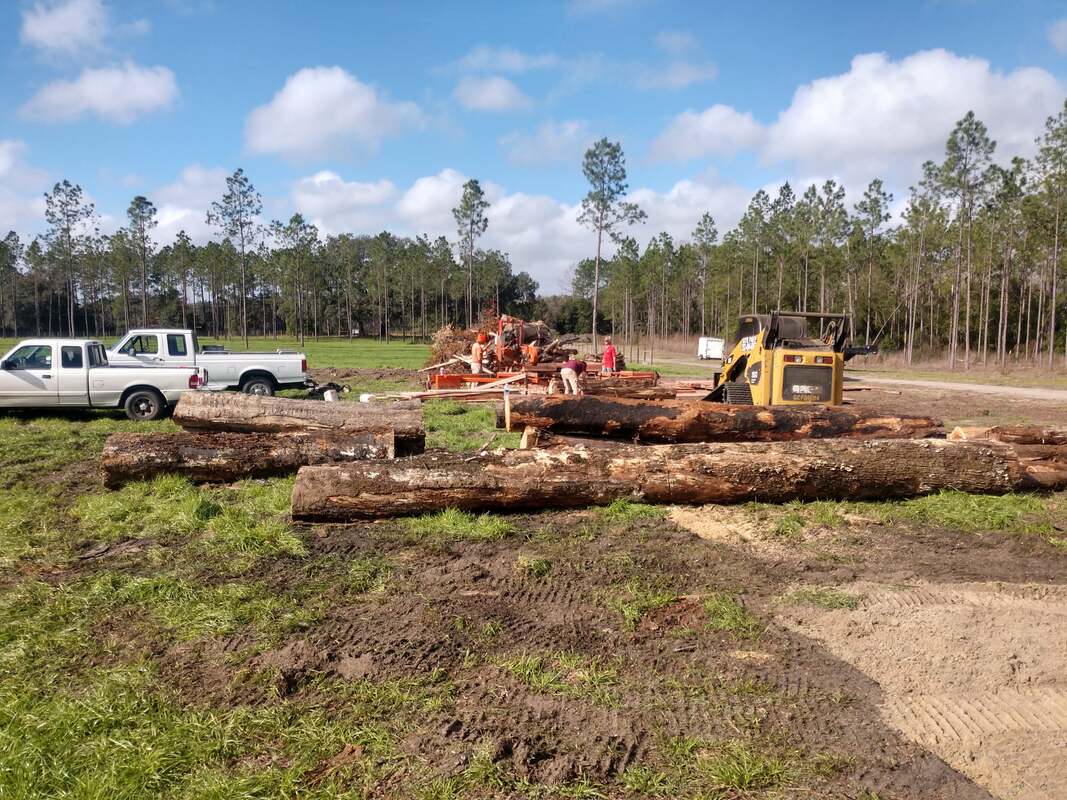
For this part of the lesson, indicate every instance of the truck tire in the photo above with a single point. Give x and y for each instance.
(145, 405)
(258, 384)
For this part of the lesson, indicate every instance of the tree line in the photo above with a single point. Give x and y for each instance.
(970, 269)
(279, 278)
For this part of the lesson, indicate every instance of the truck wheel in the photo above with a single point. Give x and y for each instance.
(260, 386)
(145, 405)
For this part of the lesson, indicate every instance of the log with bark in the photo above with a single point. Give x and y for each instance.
(242, 413)
(594, 389)
(678, 421)
(776, 472)
(1014, 434)
(225, 457)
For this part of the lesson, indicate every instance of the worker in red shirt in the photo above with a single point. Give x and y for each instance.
(608, 365)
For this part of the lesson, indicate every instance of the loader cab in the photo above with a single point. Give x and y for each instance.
(785, 358)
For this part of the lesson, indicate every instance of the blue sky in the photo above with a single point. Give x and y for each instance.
(370, 116)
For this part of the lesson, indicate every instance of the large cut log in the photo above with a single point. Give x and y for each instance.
(671, 421)
(225, 457)
(243, 413)
(524, 480)
(1014, 434)
(629, 392)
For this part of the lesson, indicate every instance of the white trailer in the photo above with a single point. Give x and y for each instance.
(711, 348)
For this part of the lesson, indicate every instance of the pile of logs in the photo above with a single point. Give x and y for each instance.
(588, 450)
(228, 437)
(581, 451)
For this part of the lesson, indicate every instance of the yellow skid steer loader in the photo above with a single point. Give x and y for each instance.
(787, 358)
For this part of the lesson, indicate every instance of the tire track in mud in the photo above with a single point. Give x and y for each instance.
(1008, 727)
(974, 672)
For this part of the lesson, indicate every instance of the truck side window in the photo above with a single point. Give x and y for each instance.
(96, 356)
(71, 357)
(32, 356)
(139, 345)
(176, 344)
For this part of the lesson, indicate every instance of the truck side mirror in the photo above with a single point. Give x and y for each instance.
(5, 364)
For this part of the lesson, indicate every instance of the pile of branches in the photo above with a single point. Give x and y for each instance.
(522, 344)
(448, 344)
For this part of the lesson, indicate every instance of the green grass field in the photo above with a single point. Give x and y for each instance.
(341, 353)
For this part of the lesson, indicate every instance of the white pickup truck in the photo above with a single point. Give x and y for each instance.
(252, 373)
(75, 373)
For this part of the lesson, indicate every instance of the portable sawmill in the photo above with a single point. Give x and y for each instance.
(787, 358)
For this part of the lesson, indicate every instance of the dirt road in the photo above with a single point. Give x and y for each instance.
(1027, 392)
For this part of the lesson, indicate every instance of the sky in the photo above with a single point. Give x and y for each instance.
(371, 116)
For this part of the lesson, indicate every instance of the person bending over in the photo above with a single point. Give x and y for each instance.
(569, 372)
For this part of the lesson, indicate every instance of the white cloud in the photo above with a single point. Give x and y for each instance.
(1057, 34)
(884, 117)
(678, 210)
(540, 233)
(338, 206)
(428, 203)
(323, 111)
(22, 189)
(551, 142)
(117, 94)
(65, 28)
(484, 58)
(183, 204)
(718, 130)
(675, 75)
(490, 94)
(676, 42)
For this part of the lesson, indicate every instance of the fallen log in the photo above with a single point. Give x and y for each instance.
(226, 457)
(677, 421)
(540, 439)
(776, 472)
(242, 413)
(633, 393)
(1013, 434)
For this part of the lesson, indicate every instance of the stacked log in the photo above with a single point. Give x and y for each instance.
(1014, 434)
(679, 421)
(572, 477)
(225, 457)
(240, 413)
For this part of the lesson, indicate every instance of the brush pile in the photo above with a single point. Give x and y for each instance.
(513, 344)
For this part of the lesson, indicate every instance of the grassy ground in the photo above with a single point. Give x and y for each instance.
(341, 353)
(102, 593)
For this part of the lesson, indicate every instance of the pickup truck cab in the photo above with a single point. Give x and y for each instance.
(75, 373)
(252, 373)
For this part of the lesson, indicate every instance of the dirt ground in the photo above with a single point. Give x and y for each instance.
(466, 612)
(958, 406)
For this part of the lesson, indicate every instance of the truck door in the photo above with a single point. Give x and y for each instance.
(144, 349)
(28, 377)
(178, 354)
(73, 377)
